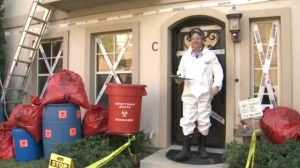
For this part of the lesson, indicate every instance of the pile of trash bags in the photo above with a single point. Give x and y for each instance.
(63, 87)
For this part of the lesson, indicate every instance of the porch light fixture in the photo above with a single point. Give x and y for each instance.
(234, 17)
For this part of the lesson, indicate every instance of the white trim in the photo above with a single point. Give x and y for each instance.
(152, 12)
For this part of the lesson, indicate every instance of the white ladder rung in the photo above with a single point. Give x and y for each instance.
(22, 61)
(34, 34)
(16, 89)
(27, 47)
(18, 75)
(38, 19)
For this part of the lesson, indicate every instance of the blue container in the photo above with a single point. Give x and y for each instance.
(26, 147)
(61, 125)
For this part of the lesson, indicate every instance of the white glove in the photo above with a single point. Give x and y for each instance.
(180, 74)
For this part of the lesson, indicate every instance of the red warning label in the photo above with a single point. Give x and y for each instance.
(62, 114)
(23, 143)
(72, 131)
(48, 133)
(78, 114)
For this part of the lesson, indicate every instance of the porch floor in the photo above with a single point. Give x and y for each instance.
(159, 160)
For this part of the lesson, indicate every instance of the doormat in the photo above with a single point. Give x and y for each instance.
(195, 158)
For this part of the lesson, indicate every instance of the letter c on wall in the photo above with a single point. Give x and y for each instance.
(155, 46)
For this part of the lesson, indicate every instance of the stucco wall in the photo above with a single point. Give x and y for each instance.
(13, 10)
(296, 54)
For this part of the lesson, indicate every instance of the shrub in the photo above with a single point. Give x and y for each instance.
(267, 154)
(93, 148)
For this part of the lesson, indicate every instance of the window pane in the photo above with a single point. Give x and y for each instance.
(115, 44)
(100, 82)
(273, 76)
(265, 31)
(42, 69)
(265, 28)
(102, 65)
(125, 62)
(108, 42)
(59, 65)
(257, 63)
(101, 59)
(257, 77)
(56, 47)
(125, 78)
(121, 40)
(47, 49)
(51, 48)
(274, 61)
(41, 83)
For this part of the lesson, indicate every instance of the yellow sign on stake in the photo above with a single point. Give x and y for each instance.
(58, 161)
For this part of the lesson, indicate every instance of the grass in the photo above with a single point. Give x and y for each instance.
(12, 163)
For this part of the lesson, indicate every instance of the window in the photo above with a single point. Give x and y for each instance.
(50, 58)
(265, 54)
(113, 52)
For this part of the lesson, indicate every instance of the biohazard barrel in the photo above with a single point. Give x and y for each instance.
(61, 125)
(25, 146)
(125, 102)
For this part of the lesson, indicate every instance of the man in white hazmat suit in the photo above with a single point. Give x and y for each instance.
(202, 75)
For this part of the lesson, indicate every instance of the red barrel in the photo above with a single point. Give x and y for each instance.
(125, 103)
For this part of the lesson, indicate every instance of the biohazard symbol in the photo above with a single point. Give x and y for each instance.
(48, 133)
(78, 114)
(72, 131)
(23, 143)
(62, 114)
(124, 113)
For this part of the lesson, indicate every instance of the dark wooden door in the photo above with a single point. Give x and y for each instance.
(215, 40)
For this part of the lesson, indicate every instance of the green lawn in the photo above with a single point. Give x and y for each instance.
(12, 163)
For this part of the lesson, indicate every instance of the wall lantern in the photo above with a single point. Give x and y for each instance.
(234, 17)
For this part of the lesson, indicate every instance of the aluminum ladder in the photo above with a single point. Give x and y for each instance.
(15, 81)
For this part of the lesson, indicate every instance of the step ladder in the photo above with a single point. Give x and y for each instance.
(15, 81)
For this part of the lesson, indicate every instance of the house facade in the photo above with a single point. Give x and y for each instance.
(142, 41)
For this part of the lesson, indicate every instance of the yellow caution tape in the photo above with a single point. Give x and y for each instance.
(252, 149)
(103, 161)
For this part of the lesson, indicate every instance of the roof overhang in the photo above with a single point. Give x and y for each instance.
(73, 5)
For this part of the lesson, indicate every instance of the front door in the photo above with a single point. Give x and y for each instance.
(215, 40)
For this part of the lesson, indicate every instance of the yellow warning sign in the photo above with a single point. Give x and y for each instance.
(58, 161)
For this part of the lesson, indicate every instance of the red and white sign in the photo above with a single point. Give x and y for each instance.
(23, 143)
(62, 114)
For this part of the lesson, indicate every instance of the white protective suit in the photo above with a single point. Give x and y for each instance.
(205, 72)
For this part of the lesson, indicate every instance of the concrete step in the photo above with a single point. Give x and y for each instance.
(159, 160)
